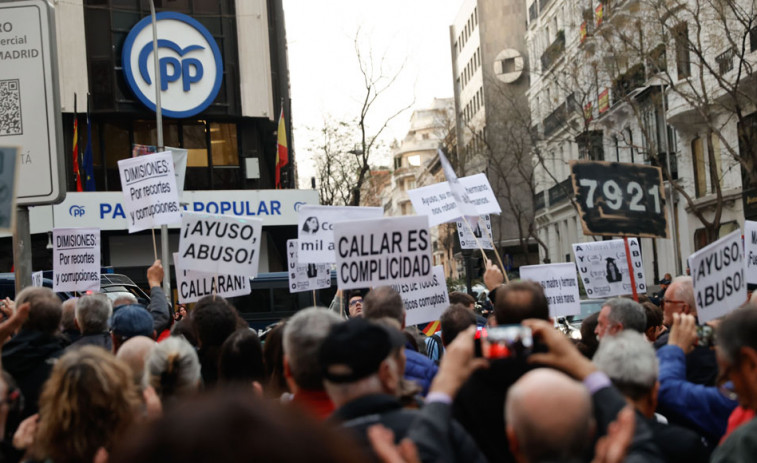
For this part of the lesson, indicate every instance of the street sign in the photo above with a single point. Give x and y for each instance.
(620, 199)
(29, 109)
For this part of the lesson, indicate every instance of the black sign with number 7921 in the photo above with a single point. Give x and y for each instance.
(620, 199)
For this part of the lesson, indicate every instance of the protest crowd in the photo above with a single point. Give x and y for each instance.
(91, 380)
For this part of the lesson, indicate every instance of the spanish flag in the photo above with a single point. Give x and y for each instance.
(75, 150)
(282, 152)
(432, 328)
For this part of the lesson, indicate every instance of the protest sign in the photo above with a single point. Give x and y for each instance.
(750, 251)
(717, 271)
(456, 188)
(426, 298)
(220, 244)
(193, 286)
(382, 252)
(149, 188)
(76, 259)
(179, 156)
(603, 267)
(560, 286)
(480, 229)
(436, 202)
(616, 198)
(38, 279)
(481, 194)
(316, 229)
(304, 276)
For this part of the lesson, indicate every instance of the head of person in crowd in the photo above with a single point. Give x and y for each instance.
(620, 314)
(737, 353)
(589, 342)
(93, 312)
(184, 329)
(45, 309)
(534, 431)
(354, 301)
(241, 360)
(180, 313)
(519, 300)
(173, 370)
(213, 319)
(455, 319)
(629, 360)
(68, 319)
(303, 336)
(260, 430)
(382, 302)
(273, 356)
(130, 321)
(654, 320)
(88, 403)
(361, 358)
(134, 353)
(466, 300)
(125, 299)
(665, 282)
(679, 298)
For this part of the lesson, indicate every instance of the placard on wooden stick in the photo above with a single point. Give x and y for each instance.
(620, 199)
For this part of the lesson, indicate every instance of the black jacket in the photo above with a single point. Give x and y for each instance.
(677, 444)
(100, 340)
(438, 439)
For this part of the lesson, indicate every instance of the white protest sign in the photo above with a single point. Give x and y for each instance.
(38, 279)
(303, 276)
(458, 190)
(480, 229)
(436, 202)
(179, 156)
(425, 299)
(382, 252)
(316, 229)
(750, 251)
(480, 193)
(220, 244)
(560, 286)
(149, 187)
(76, 259)
(193, 286)
(718, 274)
(604, 268)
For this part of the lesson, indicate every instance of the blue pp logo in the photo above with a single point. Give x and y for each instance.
(190, 65)
(76, 211)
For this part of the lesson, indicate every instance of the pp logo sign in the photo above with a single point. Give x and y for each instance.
(76, 211)
(189, 65)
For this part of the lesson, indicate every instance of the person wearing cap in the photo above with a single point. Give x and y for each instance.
(129, 321)
(360, 365)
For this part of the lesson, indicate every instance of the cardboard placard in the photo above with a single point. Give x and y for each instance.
(316, 229)
(436, 202)
(620, 199)
(38, 279)
(481, 231)
(750, 251)
(149, 187)
(179, 161)
(382, 252)
(560, 286)
(193, 286)
(604, 268)
(717, 271)
(426, 299)
(76, 259)
(480, 193)
(305, 277)
(220, 244)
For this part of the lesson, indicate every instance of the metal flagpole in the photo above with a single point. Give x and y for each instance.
(159, 128)
(671, 202)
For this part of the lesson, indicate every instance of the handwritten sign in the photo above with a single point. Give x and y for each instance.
(305, 277)
(604, 268)
(425, 299)
(560, 286)
(76, 259)
(750, 251)
(316, 229)
(436, 202)
(193, 286)
(149, 187)
(480, 193)
(480, 229)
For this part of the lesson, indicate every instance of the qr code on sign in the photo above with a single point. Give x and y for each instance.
(10, 108)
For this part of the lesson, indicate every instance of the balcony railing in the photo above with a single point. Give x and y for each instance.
(627, 82)
(559, 116)
(725, 61)
(560, 192)
(553, 51)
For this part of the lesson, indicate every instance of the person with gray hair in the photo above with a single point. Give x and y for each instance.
(535, 432)
(303, 335)
(68, 326)
(630, 362)
(124, 299)
(620, 314)
(173, 370)
(91, 317)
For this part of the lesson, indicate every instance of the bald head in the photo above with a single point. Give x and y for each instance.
(679, 298)
(535, 431)
(134, 352)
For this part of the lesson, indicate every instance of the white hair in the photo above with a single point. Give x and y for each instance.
(303, 335)
(629, 360)
(173, 368)
(93, 313)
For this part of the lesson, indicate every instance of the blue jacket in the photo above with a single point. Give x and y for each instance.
(704, 408)
(420, 369)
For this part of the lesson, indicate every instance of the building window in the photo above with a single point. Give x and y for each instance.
(716, 171)
(683, 54)
(590, 146)
(700, 174)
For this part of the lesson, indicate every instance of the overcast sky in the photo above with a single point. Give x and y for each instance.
(324, 73)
